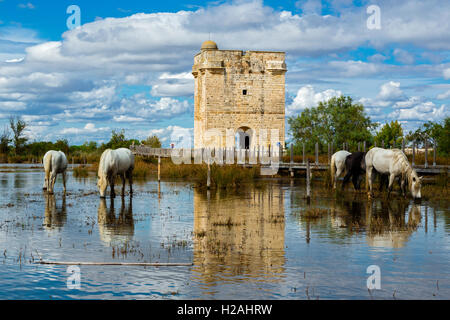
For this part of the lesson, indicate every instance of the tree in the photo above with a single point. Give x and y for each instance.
(62, 145)
(5, 141)
(337, 120)
(433, 133)
(18, 126)
(118, 140)
(391, 134)
(152, 141)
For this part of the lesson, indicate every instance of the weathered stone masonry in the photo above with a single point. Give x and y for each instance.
(241, 92)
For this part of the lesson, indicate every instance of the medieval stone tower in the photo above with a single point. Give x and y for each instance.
(236, 94)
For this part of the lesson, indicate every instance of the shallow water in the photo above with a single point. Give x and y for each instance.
(251, 244)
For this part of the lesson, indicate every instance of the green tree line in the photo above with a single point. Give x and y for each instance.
(15, 146)
(339, 120)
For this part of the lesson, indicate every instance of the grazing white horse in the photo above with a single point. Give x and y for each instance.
(54, 162)
(113, 163)
(394, 163)
(338, 165)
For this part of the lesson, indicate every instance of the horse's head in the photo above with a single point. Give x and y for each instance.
(415, 184)
(102, 184)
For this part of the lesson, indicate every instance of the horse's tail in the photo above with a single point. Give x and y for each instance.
(47, 162)
(333, 170)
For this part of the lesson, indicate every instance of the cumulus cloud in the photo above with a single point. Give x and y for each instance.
(88, 128)
(81, 77)
(390, 91)
(307, 97)
(181, 137)
(421, 113)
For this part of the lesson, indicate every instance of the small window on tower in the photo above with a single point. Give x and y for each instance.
(244, 92)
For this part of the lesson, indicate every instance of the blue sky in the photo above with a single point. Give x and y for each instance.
(128, 64)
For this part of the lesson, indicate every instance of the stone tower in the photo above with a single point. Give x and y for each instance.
(236, 95)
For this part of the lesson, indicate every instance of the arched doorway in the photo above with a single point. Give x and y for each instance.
(243, 138)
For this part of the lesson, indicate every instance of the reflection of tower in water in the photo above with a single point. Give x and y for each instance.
(239, 235)
(54, 217)
(114, 229)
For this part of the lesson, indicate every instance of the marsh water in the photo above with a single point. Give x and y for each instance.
(259, 242)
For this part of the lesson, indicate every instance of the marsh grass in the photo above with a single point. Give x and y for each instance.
(81, 172)
(313, 213)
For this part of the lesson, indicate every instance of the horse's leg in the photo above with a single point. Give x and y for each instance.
(338, 173)
(383, 181)
(391, 183)
(51, 182)
(355, 178)
(46, 177)
(369, 174)
(346, 178)
(111, 185)
(130, 180)
(122, 176)
(403, 186)
(64, 181)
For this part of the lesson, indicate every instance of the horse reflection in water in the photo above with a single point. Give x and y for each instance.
(386, 224)
(54, 217)
(242, 236)
(112, 229)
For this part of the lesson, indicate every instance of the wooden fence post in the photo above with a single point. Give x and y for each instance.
(382, 144)
(426, 153)
(434, 154)
(317, 153)
(292, 161)
(403, 145)
(364, 146)
(208, 178)
(359, 146)
(303, 159)
(308, 181)
(159, 168)
(329, 153)
(413, 153)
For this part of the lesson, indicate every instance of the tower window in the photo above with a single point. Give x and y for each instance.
(244, 92)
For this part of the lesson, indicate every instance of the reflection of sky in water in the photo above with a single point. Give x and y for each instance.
(248, 244)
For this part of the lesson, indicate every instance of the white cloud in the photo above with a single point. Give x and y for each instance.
(27, 5)
(446, 73)
(403, 56)
(307, 97)
(390, 91)
(88, 128)
(444, 95)
(421, 113)
(180, 136)
(123, 118)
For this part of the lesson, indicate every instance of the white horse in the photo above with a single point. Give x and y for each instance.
(113, 163)
(394, 163)
(54, 162)
(338, 165)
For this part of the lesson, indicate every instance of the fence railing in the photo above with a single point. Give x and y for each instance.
(250, 155)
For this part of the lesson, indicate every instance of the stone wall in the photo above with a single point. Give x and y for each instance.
(238, 90)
